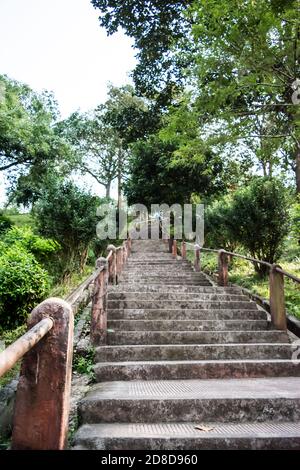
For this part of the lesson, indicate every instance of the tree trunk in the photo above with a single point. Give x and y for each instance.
(120, 176)
(107, 190)
(83, 259)
(298, 168)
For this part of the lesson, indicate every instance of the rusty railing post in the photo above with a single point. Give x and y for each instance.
(43, 394)
(171, 239)
(174, 249)
(197, 258)
(223, 268)
(118, 264)
(99, 304)
(113, 265)
(277, 302)
(125, 254)
(183, 250)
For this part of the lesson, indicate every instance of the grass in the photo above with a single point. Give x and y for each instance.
(20, 220)
(61, 290)
(64, 289)
(242, 273)
(8, 337)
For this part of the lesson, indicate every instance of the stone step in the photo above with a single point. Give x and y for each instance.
(181, 370)
(185, 436)
(179, 289)
(151, 255)
(196, 337)
(169, 282)
(225, 400)
(168, 271)
(186, 314)
(178, 296)
(180, 304)
(188, 325)
(166, 274)
(193, 352)
(136, 263)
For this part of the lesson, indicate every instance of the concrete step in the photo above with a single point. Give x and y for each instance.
(131, 262)
(196, 337)
(165, 274)
(178, 289)
(186, 314)
(186, 370)
(188, 325)
(178, 296)
(169, 282)
(225, 400)
(185, 436)
(181, 304)
(193, 352)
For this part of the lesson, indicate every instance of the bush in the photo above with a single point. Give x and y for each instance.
(25, 238)
(295, 211)
(23, 284)
(218, 233)
(259, 219)
(5, 223)
(69, 215)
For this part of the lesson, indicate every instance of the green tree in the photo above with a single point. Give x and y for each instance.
(30, 148)
(155, 177)
(96, 147)
(68, 214)
(156, 27)
(259, 219)
(247, 63)
(27, 136)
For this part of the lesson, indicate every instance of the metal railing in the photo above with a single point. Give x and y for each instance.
(43, 395)
(276, 277)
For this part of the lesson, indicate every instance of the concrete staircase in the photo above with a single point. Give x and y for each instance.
(184, 354)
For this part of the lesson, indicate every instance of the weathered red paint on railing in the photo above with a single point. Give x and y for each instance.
(276, 279)
(10, 356)
(110, 269)
(43, 395)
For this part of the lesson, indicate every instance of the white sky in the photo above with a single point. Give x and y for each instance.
(58, 45)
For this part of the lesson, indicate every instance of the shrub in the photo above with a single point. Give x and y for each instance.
(218, 233)
(69, 215)
(5, 223)
(259, 219)
(25, 238)
(295, 211)
(23, 284)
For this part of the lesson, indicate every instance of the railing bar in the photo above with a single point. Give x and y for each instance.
(248, 258)
(208, 249)
(11, 355)
(291, 276)
(74, 296)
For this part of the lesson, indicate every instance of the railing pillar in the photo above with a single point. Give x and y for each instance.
(197, 263)
(171, 239)
(277, 302)
(174, 249)
(223, 268)
(99, 304)
(43, 394)
(118, 264)
(183, 250)
(113, 265)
